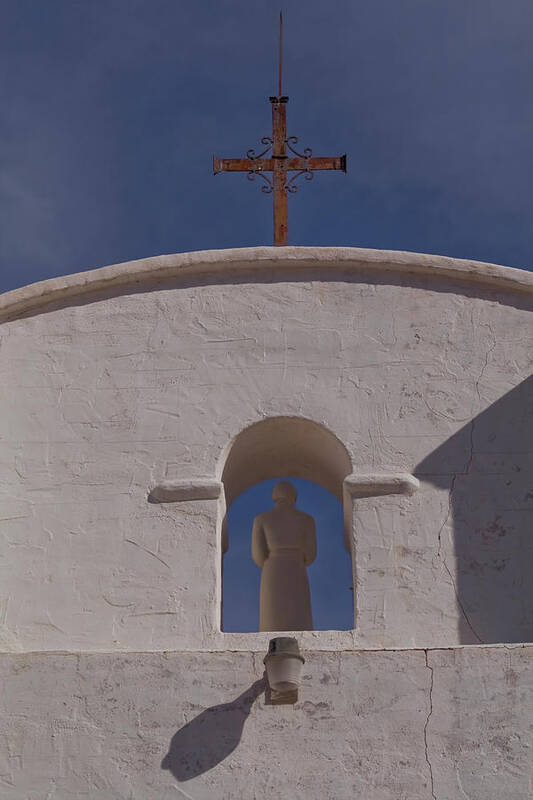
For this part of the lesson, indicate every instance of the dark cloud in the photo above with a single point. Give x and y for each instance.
(111, 111)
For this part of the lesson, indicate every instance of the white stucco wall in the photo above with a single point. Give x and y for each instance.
(380, 725)
(124, 388)
(120, 379)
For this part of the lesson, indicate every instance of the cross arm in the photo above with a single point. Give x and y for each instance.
(267, 164)
(317, 162)
(242, 165)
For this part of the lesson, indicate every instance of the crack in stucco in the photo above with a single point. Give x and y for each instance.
(148, 551)
(447, 517)
(471, 454)
(462, 608)
(430, 712)
(116, 605)
(490, 348)
(183, 793)
(451, 490)
(442, 557)
(488, 352)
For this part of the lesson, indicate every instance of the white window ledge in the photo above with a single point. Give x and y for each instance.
(183, 491)
(375, 484)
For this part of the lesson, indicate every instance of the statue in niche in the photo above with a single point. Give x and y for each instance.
(283, 545)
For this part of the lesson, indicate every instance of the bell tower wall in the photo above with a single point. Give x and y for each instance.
(125, 387)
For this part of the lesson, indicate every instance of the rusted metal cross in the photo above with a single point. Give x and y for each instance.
(279, 158)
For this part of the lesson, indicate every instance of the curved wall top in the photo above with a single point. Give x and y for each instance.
(181, 371)
(262, 262)
(281, 446)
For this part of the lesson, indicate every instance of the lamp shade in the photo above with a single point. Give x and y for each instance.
(283, 664)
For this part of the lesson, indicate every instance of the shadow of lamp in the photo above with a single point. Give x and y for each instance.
(283, 664)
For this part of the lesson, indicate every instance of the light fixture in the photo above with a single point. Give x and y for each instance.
(283, 664)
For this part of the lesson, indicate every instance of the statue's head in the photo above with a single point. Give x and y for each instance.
(284, 493)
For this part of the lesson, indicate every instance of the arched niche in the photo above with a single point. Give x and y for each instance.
(283, 446)
(278, 447)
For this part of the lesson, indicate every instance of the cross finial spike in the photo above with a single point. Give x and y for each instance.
(279, 158)
(280, 59)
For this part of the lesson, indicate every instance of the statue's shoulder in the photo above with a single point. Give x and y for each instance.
(263, 516)
(307, 517)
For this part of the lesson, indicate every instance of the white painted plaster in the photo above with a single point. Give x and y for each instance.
(375, 484)
(259, 260)
(180, 491)
(383, 725)
(143, 375)
(134, 394)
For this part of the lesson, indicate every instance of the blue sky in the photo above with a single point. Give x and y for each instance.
(112, 110)
(330, 575)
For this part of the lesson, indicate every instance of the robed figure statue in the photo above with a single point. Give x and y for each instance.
(283, 545)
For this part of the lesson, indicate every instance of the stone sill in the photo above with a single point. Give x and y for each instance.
(261, 646)
(257, 641)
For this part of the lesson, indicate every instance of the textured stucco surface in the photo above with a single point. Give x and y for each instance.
(396, 725)
(126, 392)
(215, 265)
(111, 394)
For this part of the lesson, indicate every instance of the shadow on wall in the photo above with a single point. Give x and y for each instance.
(210, 737)
(487, 466)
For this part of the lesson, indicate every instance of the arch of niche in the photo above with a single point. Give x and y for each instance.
(281, 446)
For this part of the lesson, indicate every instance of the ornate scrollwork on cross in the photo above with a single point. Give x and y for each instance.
(268, 186)
(279, 157)
(307, 152)
(265, 140)
(293, 187)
